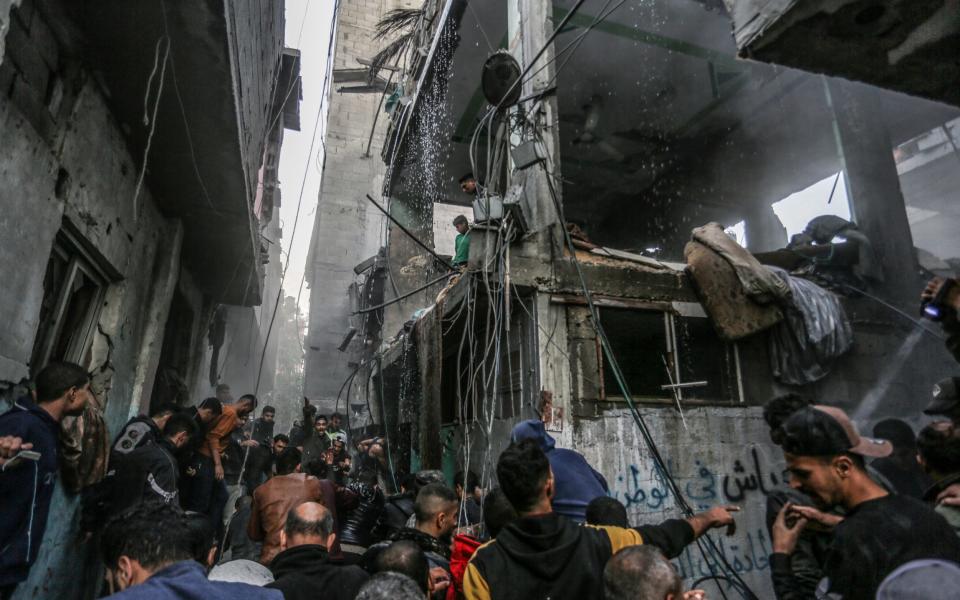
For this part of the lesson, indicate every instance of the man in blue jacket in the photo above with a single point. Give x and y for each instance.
(148, 553)
(26, 486)
(576, 482)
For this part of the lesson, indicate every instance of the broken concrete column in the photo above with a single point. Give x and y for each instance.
(876, 202)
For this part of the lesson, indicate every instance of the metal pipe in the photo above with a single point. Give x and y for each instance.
(410, 235)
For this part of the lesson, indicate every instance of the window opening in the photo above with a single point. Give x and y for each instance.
(648, 342)
(73, 291)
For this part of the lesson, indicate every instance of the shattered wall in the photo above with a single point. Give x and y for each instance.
(95, 193)
(722, 456)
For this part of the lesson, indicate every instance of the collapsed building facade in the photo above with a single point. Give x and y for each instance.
(634, 124)
(140, 229)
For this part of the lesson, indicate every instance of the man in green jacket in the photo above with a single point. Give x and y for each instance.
(462, 243)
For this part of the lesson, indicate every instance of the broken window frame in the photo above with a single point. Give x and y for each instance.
(672, 353)
(68, 247)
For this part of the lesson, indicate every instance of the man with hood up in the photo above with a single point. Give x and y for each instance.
(544, 555)
(576, 482)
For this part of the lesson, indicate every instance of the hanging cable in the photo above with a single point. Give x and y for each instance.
(660, 463)
(402, 297)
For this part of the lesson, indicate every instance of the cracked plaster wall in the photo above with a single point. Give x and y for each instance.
(96, 197)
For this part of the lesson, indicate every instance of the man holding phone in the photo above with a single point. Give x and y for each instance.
(26, 479)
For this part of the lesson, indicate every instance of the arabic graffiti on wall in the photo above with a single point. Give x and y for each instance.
(744, 479)
(747, 475)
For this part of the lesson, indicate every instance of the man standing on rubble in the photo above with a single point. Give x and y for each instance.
(461, 244)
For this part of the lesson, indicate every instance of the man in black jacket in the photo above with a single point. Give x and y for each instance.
(304, 570)
(151, 472)
(545, 555)
(26, 486)
(880, 531)
(141, 430)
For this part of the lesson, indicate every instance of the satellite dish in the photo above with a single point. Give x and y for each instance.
(500, 72)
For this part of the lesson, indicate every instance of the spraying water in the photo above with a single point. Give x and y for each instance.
(870, 401)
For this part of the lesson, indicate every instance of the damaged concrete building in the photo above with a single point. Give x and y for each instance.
(620, 128)
(140, 224)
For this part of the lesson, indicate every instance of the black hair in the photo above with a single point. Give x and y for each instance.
(522, 470)
(202, 535)
(154, 534)
(404, 557)
(460, 220)
(604, 510)
(472, 481)
(898, 433)
(297, 525)
(213, 405)
(336, 415)
(408, 481)
(811, 432)
(939, 446)
(251, 398)
(281, 437)
(315, 467)
(779, 409)
(467, 177)
(164, 408)
(268, 409)
(287, 461)
(318, 417)
(57, 378)
(425, 506)
(180, 422)
(497, 512)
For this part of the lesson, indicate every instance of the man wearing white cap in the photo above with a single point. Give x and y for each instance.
(881, 531)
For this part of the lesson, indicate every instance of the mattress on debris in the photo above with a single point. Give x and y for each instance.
(734, 315)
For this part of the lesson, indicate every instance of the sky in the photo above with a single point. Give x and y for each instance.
(307, 29)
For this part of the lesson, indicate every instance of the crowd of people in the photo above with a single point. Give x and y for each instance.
(209, 502)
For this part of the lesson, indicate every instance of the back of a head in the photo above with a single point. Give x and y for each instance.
(202, 535)
(432, 499)
(390, 586)
(153, 534)
(604, 510)
(779, 409)
(939, 447)
(163, 409)
(249, 399)
(287, 461)
(404, 557)
(308, 523)
(925, 579)
(180, 423)
(55, 379)
(317, 468)
(497, 512)
(213, 405)
(898, 432)
(467, 480)
(640, 573)
(522, 471)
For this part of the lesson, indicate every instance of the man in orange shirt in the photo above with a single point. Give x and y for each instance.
(211, 491)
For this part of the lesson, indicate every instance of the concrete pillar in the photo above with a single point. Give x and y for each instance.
(873, 185)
